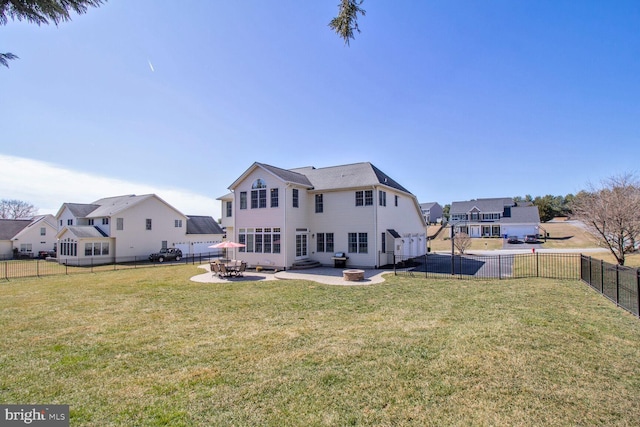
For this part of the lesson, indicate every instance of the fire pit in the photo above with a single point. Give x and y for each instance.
(353, 275)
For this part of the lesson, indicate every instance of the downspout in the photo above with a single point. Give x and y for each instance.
(283, 234)
(375, 229)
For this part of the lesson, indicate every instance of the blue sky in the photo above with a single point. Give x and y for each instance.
(453, 99)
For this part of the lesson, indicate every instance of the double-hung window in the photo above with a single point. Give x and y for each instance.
(319, 204)
(295, 198)
(364, 198)
(324, 242)
(274, 197)
(243, 200)
(382, 198)
(358, 243)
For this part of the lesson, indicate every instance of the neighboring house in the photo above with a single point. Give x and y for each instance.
(291, 217)
(432, 212)
(28, 236)
(128, 228)
(497, 217)
(202, 232)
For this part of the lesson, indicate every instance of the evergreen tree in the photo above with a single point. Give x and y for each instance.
(40, 12)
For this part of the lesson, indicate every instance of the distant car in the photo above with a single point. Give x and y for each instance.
(531, 238)
(46, 254)
(168, 254)
(513, 239)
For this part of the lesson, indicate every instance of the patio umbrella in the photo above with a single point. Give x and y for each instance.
(227, 244)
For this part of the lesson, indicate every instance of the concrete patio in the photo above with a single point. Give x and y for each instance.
(325, 275)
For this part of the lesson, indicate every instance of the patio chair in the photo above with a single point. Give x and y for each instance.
(214, 268)
(223, 271)
(241, 269)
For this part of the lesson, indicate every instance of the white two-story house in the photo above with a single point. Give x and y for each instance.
(27, 236)
(496, 217)
(285, 217)
(129, 228)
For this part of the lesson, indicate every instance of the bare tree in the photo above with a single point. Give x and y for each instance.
(462, 241)
(16, 209)
(611, 212)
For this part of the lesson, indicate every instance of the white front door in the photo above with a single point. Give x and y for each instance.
(301, 245)
(474, 231)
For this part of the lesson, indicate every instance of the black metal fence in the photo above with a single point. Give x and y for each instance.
(507, 266)
(35, 267)
(618, 283)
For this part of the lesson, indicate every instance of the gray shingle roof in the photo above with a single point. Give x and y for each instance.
(522, 214)
(202, 225)
(484, 205)
(287, 175)
(111, 205)
(10, 227)
(81, 210)
(428, 205)
(86, 231)
(356, 175)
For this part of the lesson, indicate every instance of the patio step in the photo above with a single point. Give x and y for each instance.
(304, 264)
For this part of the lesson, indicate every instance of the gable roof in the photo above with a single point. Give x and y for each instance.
(522, 214)
(112, 205)
(202, 225)
(354, 175)
(483, 205)
(10, 227)
(108, 206)
(428, 205)
(78, 210)
(288, 176)
(83, 231)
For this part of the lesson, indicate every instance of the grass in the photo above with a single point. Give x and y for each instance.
(148, 347)
(565, 235)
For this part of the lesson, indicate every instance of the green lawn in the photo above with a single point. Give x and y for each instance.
(149, 347)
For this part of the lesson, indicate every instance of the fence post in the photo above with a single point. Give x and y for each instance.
(37, 268)
(425, 265)
(499, 267)
(537, 265)
(638, 291)
(395, 273)
(617, 286)
(602, 276)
